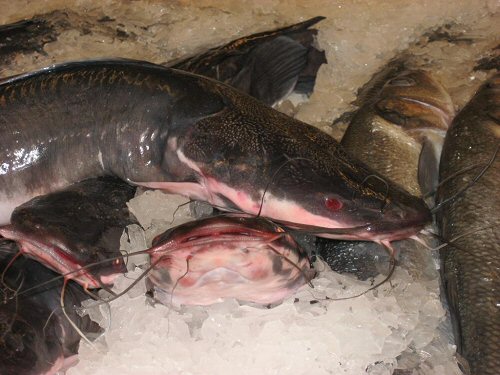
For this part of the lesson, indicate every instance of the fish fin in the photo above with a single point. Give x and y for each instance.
(272, 70)
(450, 282)
(307, 78)
(250, 62)
(428, 168)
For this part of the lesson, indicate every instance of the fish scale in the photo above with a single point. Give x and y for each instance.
(471, 264)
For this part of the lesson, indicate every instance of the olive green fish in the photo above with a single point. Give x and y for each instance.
(399, 127)
(471, 263)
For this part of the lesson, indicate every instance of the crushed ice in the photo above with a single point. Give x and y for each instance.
(400, 325)
(396, 326)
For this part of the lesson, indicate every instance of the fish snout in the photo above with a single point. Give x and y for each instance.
(402, 220)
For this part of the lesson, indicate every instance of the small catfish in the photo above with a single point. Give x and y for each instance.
(469, 217)
(227, 256)
(74, 228)
(36, 336)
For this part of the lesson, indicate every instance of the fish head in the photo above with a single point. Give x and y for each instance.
(250, 158)
(415, 100)
(294, 174)
(350, 202)
(228, 256)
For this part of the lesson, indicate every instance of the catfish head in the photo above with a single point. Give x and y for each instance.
(228, 256)
(251, 158)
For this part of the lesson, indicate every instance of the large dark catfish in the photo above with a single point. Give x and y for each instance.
(35, 336)
(471, 264)
(162, 128)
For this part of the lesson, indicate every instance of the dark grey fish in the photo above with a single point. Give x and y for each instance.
(35, 336)
(168, 129)
(471, 264)
(365, 260)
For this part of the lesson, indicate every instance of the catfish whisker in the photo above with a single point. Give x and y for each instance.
(472, 182)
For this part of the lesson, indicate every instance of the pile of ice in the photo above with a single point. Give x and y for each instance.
(317, 331)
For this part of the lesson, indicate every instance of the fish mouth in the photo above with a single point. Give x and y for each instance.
(59, 257)
(229, 256)
(380, 231)
(399, 222)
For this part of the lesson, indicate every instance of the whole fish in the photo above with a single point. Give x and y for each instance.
(227, 256)
(471, 221)
(35, 337)
(163, 128)
(399, 129)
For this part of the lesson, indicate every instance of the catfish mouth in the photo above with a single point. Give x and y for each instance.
(377, 232)
(59, 257)
(230, 256)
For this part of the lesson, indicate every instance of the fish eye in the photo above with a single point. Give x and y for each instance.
(333, 204)
(402, 81)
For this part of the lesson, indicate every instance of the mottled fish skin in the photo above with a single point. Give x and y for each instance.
(227, 256)
(35, 336)
(389, 130)
(163, 128)
(471, 264)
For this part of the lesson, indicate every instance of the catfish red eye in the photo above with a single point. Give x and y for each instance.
(333, 204)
